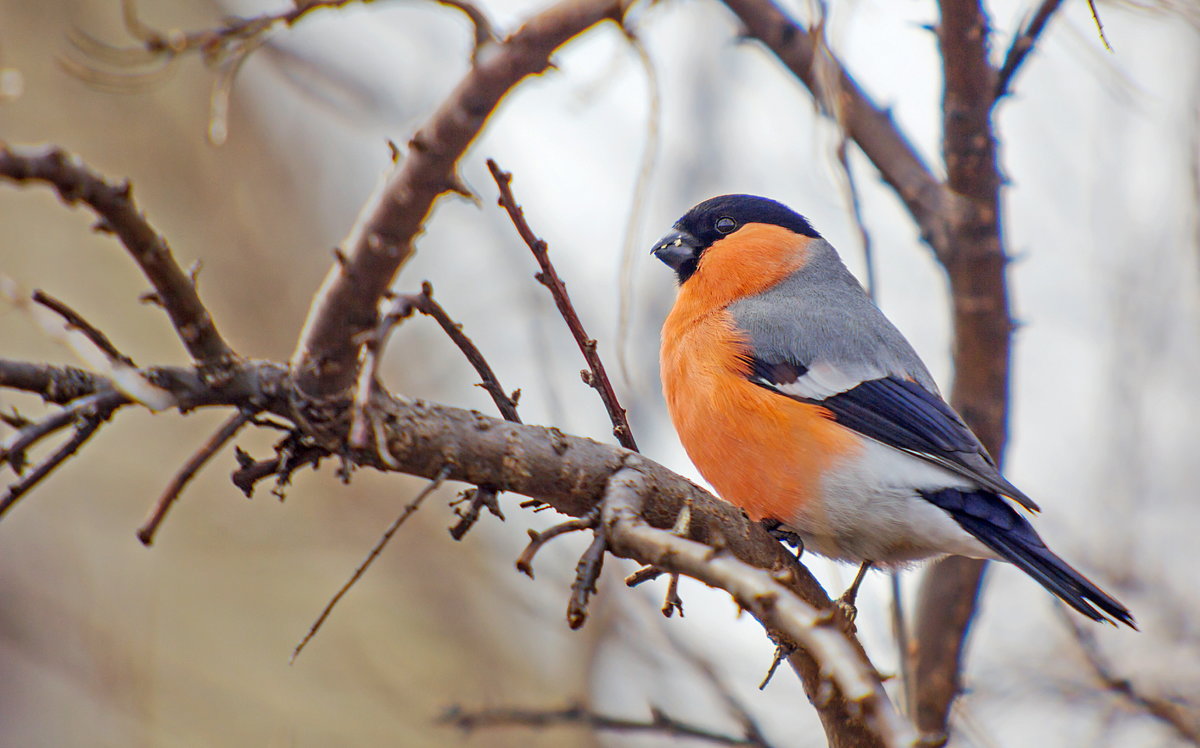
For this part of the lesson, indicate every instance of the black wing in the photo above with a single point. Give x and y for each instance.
(903, 415)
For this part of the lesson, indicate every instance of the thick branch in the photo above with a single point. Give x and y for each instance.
(982, 328)
(568, 472)
(761, 593)
(55, 384)
(346, 305)
(113, 203)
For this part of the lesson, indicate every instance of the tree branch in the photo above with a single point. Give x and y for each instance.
(760, 593)
(659, 724)
(171, 493)
(425, 304)
(982, 337)
(568, 472)
(119, 215)
(866, 123)
(76, 321)
(85, 427)
(596, 377)
(1172, 712)
(1022, 45)
(408, 511)
(325, 362)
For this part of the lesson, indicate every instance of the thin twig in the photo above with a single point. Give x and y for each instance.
(587, 573)
(505, 403)
(282, 465)
(538, 539)
(83, 431)
(672, 603)
(1022, 44)
(485, 32)
(119, 215)
(644, 574)
(659, 723)
(782, 652)
(171, 493)
(14, 419)
(1183, 718)
(76, 321)
(362, 426)
(213, 43)
(596, 377)
(477, 499)
(366, 563)
(13, 449)
(402, 307)
(1099, 25)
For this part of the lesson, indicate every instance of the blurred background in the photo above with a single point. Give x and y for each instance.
(104, 642)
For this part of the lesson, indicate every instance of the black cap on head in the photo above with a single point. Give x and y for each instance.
(716, 218)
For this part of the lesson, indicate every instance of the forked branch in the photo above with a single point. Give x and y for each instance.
(325, 362)
(119, 215)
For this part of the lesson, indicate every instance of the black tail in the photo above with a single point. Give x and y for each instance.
(998, 526)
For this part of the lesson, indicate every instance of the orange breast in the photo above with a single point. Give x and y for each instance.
(761, 451)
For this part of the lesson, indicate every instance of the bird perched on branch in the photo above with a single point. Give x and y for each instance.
(801, 403)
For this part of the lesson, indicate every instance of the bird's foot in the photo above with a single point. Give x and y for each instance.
(780, 532)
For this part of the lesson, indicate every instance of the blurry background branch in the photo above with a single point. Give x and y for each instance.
(660, 724)
(1181, 715)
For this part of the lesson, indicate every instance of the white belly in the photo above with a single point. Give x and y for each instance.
(872, 511)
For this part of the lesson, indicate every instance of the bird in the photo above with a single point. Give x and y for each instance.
(801, 403)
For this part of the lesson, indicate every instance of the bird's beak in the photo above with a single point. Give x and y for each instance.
(676, 248)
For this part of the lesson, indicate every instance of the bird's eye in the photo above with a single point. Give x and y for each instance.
(725, 224)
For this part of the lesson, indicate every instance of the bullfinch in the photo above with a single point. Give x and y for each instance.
(803, 405)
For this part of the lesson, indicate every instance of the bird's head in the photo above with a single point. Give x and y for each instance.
(723, 219)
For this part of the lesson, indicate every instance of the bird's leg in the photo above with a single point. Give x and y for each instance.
(846, 601)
